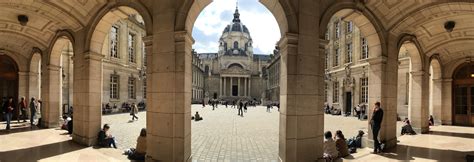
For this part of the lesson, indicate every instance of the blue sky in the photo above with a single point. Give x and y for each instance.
(259, 20)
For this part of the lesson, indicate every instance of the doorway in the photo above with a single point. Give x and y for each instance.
(348, 103)
(8, 79)
(235, 90)
(463, 96)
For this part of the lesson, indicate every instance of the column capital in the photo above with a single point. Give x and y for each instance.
(323, 43)
(183, 36)
(377, 60)
(93, 56)
(52, 67)
(418, 73)
(288, 38)
(148, 40)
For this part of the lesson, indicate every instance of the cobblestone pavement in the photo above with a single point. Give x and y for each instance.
(224, 136)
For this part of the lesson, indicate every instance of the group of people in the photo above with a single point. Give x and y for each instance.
(105, 139)
(9, 107)
(270, 106)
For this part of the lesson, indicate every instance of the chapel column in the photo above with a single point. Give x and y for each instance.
(419, 105)
(245, 86)
(220, 86)
(225, 87)
(51, 96)
(87, 97)
(231, 85)
(238, 86)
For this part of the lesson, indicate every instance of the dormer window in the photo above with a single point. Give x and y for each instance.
(236, 45)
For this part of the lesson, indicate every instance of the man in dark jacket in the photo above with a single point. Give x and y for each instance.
(9, 108)
(375, 122)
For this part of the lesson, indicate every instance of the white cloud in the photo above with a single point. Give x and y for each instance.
(262, 25)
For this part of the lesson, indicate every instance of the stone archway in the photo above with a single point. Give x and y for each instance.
(88, 66)
(9, 79)
(35, 76)
(51, 88)
(436, 98)
(418, 104)
(381, 63)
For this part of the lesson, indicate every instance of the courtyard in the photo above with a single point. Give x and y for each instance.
(225, 136)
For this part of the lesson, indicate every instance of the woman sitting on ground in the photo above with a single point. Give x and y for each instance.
(341, 145)
(330, 151)
(407, 129)
(105, 139)
(197, 117)
(140, 151)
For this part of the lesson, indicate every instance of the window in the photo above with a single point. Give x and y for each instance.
(349, 26)
(335, 93)
(336, 57)
(225, 46)
(144, 88)
(337, 29)
(326, 63)
(131, 47)
(236, 45)
(348, 52)
(325, 92)
(144, 54)
(365, 49)
(364, 90)
(114, 86)
(131, 88)
(114, 42)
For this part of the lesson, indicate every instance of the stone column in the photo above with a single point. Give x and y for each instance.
(225, 87)
(447, 103)
(238, 86)
(250, 90)
(23, 85)
(87, 97)
(231, 89)
(51, 96)
(34, 87)
(437, 100)
(168, 116)
(245, 86)
(300, 94)
(382, 83)
(419, 105)
(220, 86)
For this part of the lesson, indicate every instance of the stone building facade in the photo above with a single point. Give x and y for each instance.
(272, 78)
(198, 82)
(234, 72)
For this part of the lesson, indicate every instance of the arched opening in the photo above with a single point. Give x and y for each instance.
(118, 44)
(352, 44)
(463, 95)
(35, 76)
(8, 80)
(232, 75)
(436, 86)
(413, 85)
(54, 84)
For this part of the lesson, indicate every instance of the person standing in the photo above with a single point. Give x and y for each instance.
(241, 113)
(9, 108)
(375, 122)
(268, 107)
(33, 110)
(357, 111)
(22, 110)
(245, 106)
(134, 111)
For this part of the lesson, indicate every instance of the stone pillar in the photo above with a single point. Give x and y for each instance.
(301, 76)
(220, 86)
(23, 86)
(245, 86)
(231, 89)
(34, 87)
(447, 103)
(51, 96)
(87, 97)
(437, 100)
(419, 105)
(250, 90)
(382, 83)
(225, 87)
(238, 86)
(168, 116)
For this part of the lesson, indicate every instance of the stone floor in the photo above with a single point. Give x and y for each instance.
(224, 136)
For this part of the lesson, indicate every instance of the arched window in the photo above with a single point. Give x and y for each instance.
(236, 45)
(225, 46)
